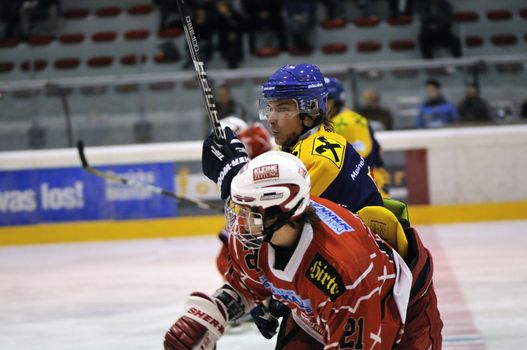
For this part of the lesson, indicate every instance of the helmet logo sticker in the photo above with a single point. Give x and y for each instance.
(271, 196)
(330, 149)
(302, 172)
(266, 172)
(244, 198)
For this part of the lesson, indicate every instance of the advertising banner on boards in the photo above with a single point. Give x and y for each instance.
(70, 194)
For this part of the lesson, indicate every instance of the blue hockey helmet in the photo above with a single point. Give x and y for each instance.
(335, 90)
(303, 83)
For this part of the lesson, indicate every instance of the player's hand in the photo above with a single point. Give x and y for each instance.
(266, 317)
(222, 161)
(200, 327)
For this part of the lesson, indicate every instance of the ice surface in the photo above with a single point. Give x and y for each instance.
(126, 294)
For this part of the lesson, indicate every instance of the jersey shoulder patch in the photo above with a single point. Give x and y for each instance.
(337, 224)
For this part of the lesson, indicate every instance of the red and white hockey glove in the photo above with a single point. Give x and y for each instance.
(205, 318)
(201, 326)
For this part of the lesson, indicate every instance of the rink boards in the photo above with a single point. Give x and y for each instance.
(447, 175)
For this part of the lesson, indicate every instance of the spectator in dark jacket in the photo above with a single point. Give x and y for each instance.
(10, 15)
(265, 16)
(230, 27)
(473, 108)
(301, 20)
(436, 111)
(227, 106)
(436, 28)
(523, 112)
(380, 118)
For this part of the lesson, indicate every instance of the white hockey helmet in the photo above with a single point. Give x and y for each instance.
(234, 123)
(276, 180)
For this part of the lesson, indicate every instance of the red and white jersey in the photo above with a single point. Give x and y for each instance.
(345, 286)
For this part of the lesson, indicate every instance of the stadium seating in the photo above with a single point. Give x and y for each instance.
(333, 23)
(71, 38)
(111, 11)
(75, 13)
(499, 15)
(104, 36)
(367, 21)
(35, 65)
(334, 48)
(97, 37)
(466, 16)
(376, 38)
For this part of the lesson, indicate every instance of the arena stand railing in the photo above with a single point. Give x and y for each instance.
(167, 107)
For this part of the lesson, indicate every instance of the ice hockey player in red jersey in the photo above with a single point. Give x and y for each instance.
(345, 286)
(257, 140)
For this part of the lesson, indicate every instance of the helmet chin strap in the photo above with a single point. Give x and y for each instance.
(281, 220)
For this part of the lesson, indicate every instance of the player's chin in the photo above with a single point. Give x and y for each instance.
(278, 139)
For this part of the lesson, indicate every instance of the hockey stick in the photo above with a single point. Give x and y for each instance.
(141, 184)
(193, 47)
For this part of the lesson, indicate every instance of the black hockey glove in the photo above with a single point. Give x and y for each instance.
(266, 317)
(222, 161)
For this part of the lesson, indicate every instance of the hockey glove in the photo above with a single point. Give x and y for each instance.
(201, 326)
(205, 318)
(222, 161)
(266, 317)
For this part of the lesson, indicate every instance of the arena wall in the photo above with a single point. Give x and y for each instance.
(455, 174)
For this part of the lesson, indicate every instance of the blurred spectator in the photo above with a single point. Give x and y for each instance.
(523, 112)
(168, 14)
(230, 27)
(379, 117)
(473, 108)
(33, 11)
(264, 16)
(436, 111)
(301, 19)
(400, 7)
(436, 28)
(357, 131)
(227, 106)
(169, 51)
(396, 8)
(334, 8)
(10, 15)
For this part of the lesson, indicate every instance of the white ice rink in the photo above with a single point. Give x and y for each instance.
(126, 294)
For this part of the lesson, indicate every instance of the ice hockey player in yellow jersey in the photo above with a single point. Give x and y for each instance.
(357, 131)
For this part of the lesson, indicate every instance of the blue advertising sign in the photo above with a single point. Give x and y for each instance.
(71, 194)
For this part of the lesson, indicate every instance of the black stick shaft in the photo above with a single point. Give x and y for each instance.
(193, 47)
(140, 184)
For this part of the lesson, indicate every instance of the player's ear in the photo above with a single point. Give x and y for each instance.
(308, 121)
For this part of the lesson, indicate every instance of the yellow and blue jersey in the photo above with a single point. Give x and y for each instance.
(357, 131)
(337, 171)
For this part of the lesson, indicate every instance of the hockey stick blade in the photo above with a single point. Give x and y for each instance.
(193, 46)
(142, 185)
